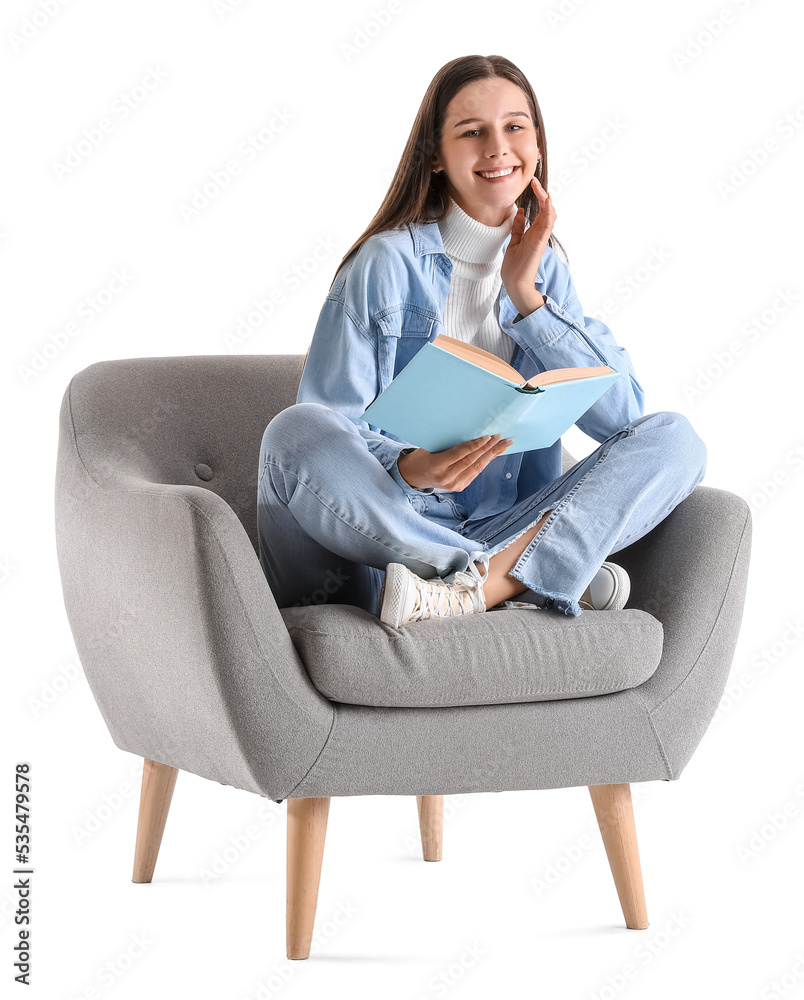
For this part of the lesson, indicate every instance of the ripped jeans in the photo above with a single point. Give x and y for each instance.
(330, 517)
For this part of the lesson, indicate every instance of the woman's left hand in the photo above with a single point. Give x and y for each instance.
(526, 247)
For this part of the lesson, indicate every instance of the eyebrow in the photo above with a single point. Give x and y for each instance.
(509, 114)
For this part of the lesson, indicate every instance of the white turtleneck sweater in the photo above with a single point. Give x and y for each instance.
(471, 311)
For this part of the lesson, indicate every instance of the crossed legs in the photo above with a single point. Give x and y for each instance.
(499, 586)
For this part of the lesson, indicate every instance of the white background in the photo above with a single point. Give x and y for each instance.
(679, 177)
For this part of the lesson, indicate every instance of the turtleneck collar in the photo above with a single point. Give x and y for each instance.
(468, 240)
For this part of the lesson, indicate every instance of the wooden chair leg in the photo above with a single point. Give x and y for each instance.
(158, 781)
(615, 817)
(431, 824)
(307, 830)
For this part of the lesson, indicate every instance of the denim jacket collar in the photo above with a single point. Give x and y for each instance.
(427, 239)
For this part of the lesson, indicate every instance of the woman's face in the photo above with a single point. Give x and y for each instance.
(488, 127)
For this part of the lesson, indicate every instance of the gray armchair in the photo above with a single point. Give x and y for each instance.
(195, 668)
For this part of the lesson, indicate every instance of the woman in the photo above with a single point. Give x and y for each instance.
(463, 245)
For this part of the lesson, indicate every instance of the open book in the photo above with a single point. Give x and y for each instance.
(451, 391)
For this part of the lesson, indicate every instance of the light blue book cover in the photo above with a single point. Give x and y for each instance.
(440, 399)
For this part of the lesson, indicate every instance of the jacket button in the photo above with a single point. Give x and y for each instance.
(508, 475)
(203, 471)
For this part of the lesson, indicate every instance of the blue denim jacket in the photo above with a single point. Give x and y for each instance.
(386, 304)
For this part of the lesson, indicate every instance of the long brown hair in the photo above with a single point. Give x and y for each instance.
(417, 194)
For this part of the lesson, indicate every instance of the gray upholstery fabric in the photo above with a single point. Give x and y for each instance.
(506, 655)
(191, 662)
(690, 573)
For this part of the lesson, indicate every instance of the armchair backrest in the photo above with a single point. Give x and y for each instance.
(196, 421)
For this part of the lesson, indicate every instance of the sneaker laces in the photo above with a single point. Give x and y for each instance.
(438, 598)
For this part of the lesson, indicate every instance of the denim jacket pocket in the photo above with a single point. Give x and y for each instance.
(406, 320)
(417, 501)
(459, 512)
(403, 331)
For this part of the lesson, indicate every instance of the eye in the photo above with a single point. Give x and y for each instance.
(512, 125)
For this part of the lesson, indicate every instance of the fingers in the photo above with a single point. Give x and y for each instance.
(479, 451)
(481, 444)
(469, 458)
(542, 196)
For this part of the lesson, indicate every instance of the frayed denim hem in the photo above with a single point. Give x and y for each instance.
(510, 541)
(554, 600)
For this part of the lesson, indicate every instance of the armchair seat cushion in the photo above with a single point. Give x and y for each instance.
(498, 657)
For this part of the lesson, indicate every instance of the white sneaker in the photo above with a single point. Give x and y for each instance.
(608, 591)
(406, 597)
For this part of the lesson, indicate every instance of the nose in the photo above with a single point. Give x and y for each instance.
(497, 147)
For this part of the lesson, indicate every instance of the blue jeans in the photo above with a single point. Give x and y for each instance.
(330, 517)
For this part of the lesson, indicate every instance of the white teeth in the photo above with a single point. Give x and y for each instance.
(498, 173)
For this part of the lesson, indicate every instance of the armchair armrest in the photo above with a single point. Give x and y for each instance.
(178, 633)
(690, 572)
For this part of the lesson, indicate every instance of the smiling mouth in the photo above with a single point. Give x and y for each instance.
(500, 176)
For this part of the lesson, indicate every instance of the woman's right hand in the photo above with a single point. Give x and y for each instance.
(453, 468)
